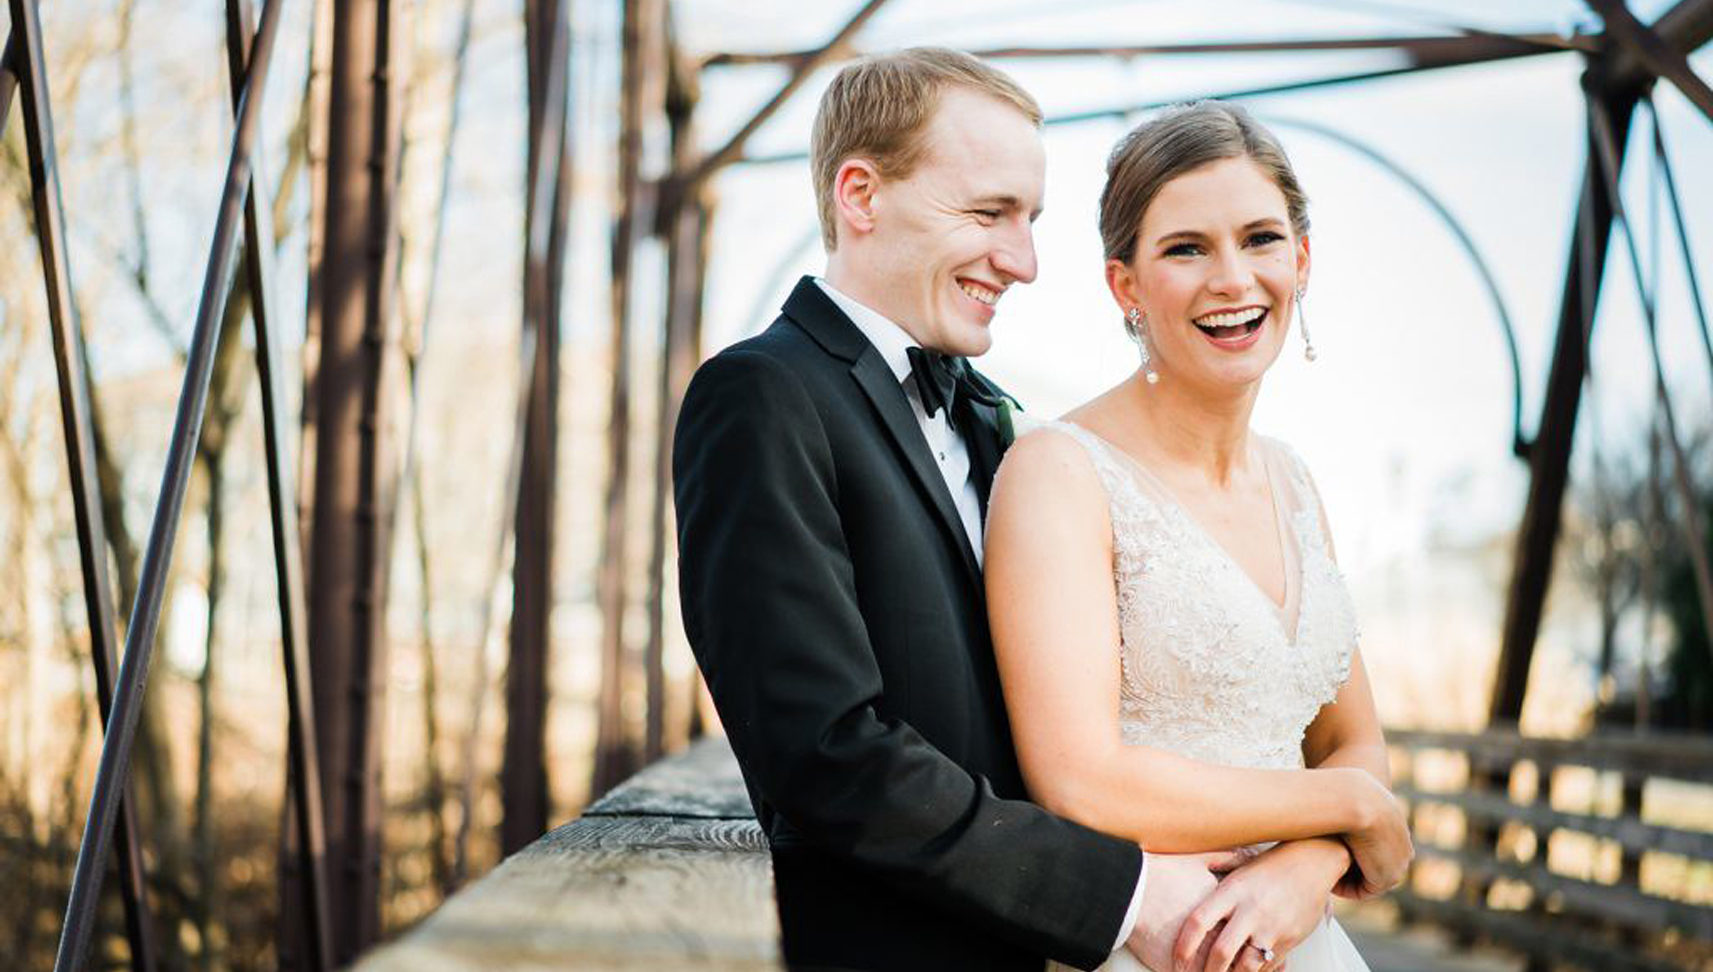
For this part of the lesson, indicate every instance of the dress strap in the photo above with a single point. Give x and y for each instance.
(1301, 500)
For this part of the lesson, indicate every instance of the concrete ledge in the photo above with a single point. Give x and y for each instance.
(669, 870)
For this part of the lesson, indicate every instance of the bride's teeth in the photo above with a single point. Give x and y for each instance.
(987, 297)
(1232, 319)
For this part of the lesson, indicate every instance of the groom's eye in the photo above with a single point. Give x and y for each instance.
(986, 214)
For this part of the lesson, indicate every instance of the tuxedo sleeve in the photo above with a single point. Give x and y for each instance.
(770, 608)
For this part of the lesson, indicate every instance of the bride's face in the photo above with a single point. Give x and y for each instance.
(1216, 269)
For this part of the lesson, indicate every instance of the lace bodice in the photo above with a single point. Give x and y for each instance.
(1213, 668)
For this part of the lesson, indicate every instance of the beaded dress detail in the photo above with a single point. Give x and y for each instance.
(1212, 667)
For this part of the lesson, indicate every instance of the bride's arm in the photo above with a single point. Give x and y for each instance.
(1055, 632)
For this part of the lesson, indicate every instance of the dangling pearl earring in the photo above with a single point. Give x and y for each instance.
(1303, 324)
(1136, 326)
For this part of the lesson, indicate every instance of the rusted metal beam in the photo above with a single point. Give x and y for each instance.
(1617, 79)
(317, 94)
(356, 462)
(1428, 46)
(523, 778)
(615, 754)
(187, 424)
(1655, 52)
(282, 513)
(1549, 457)
(8, 78)
(1693, 534)
(1685, 28)
(687, 182)
(686, 280)
(1479, 51)
(1662, 160)
(25, 61)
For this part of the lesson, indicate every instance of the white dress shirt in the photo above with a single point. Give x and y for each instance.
(953, 457)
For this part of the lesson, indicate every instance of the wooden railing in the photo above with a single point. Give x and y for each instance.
(668, 871)
(1545, 845)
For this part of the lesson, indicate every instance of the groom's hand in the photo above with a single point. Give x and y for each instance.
(1176, 884)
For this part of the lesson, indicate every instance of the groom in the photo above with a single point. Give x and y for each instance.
(831, 477)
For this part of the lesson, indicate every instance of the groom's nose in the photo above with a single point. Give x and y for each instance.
(1014, 256)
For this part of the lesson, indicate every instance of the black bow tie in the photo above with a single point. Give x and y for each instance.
(941, 378)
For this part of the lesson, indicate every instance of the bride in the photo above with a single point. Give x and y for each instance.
(1166, 609)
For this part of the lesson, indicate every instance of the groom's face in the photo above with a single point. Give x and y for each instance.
(950, 238)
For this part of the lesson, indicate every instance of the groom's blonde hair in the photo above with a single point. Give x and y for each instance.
(877, 108)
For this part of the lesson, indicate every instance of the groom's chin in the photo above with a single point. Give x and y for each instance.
(972, 342)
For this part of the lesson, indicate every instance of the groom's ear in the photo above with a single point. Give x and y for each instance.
(854, 189)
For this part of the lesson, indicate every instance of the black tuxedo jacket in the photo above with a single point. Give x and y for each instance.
(836, 609)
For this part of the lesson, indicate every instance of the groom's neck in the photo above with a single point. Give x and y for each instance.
(866, 288)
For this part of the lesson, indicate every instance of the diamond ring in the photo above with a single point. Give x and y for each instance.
(1266, 953)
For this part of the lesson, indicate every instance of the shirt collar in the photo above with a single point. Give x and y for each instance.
(892, 341)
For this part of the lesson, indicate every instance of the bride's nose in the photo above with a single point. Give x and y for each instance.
(1230, 275)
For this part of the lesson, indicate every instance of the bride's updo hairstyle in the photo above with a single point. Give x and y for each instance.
(1177, 141)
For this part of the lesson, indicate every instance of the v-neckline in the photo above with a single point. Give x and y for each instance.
(1288, 613)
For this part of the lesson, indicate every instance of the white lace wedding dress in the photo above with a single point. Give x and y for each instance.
(1213, 668)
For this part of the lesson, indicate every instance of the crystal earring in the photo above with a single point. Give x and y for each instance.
(1303, 325)
(1136, 326)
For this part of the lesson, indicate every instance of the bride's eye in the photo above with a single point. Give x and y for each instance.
(1264, 238)
(1182, 249)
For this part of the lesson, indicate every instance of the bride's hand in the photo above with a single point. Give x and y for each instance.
(1272, 902)
(1381, 846)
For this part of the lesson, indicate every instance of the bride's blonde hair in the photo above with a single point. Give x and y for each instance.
(1174, 142)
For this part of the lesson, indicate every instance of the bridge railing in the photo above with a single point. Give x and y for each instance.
(668, 871)
(1594, 851)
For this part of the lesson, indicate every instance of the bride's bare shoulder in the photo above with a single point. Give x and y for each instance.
(1048, 466)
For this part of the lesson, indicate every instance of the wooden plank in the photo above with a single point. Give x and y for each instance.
(609, 893)
(1679, 756)
(1632, 834)
(700, 783)
(1556, 941)
(1605, 901)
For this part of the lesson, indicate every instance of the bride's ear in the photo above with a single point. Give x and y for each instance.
(1122, 282)
(855, 187)
(1302, 263)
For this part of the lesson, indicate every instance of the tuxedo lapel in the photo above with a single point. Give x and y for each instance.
(816, 313)
(887, 396)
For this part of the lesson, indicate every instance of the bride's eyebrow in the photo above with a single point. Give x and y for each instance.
(1265, 222)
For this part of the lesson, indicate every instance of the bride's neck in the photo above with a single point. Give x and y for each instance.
(1189, 427)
